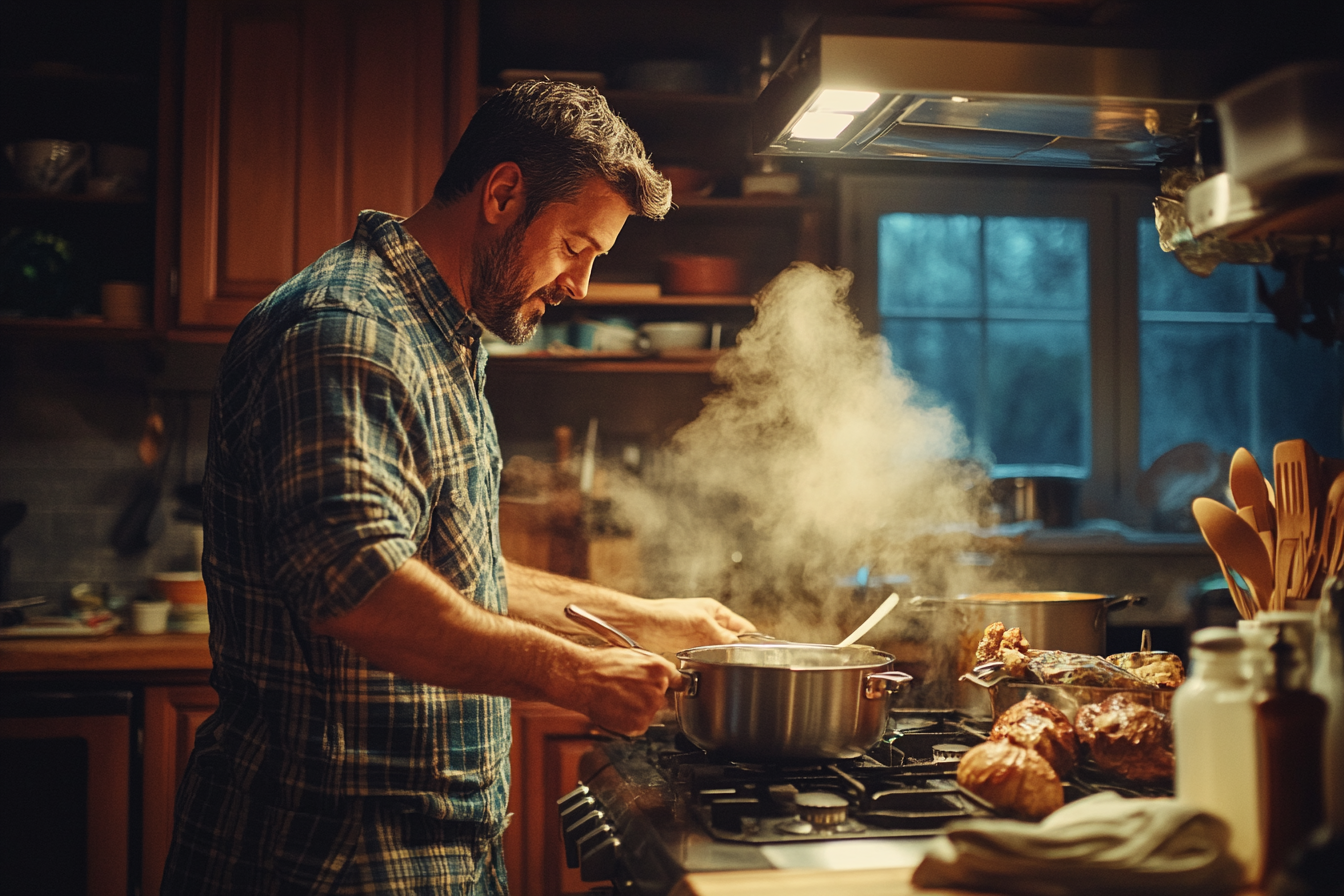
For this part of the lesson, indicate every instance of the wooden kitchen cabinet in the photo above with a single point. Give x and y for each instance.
(547, 744)
(172, 715)
(297, 114)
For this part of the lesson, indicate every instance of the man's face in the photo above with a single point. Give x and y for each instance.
(526, 269)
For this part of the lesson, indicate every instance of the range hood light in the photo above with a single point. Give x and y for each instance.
(831, 113)
(855, 101)
(820, 125)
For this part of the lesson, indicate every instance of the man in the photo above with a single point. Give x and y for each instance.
(360, 609)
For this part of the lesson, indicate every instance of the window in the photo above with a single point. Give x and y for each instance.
(1213, 369)
(1040, 308)
(991, 315)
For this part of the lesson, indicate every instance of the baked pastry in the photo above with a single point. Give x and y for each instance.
(1011, 778)
(1127, 737)
(997, 640)
(1036, 725)
(988, 648)
(1156, 667)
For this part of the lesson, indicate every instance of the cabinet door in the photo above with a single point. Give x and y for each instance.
(297, 114)
(547, 744)
(172, 715)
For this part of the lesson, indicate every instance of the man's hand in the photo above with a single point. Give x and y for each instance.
(622, 689)
(672, 624)
(663, 626)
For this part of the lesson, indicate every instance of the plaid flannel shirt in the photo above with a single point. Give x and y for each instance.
(349, 432)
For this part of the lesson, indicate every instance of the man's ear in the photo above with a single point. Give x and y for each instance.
(503, 198)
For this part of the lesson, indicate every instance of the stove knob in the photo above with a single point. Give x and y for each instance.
(574, 796)
(597, 854)
(821, 809)
(576, 831)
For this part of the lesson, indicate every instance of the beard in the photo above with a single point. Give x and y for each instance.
(499, 288)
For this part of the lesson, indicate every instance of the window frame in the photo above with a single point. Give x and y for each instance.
(1109, 202)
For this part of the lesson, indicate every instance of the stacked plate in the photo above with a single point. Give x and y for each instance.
(185, 593)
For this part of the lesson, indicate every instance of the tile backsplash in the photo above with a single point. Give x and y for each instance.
(71, 417)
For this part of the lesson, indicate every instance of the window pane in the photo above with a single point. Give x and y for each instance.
(1039, 393)
(928, 263)
(1230, 383)
(1164, 285)
(1035, 264)
(943, 357)
(1301, 394)
(1196, 387)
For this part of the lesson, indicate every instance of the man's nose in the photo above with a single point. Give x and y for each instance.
(575, 279)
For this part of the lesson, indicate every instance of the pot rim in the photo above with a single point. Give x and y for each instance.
(1027, 597)
(882, 659)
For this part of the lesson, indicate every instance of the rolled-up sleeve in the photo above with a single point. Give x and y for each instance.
(346, 471)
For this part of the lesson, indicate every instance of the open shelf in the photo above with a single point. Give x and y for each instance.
(11, 196)
(688, 361)
(93, 328)
(666, 301)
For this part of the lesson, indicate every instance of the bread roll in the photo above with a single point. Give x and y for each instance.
(1036, 725)
(1011, 778)
(1157, 668)
(1127, 738)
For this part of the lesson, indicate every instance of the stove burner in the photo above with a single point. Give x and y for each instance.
(820, 812)
(827, 809)
(949, 752)
(912, 723)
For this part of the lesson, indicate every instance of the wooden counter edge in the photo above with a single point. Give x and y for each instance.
(806, 882)
(117, 652)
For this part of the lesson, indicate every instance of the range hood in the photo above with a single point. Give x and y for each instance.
(977, 91)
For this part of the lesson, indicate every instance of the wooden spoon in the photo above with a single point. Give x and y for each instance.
(876, 617)
(1237, 545)
(1247, 484)
(1332, 529)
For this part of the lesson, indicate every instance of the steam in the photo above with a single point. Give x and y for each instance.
(817, 457)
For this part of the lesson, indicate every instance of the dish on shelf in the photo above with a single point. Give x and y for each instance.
(686, 274)
(688, 180)
(62, 627)
(671, 335)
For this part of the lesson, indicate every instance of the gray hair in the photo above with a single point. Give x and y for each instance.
(561, 136)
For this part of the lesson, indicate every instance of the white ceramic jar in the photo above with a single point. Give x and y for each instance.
(1214, 728)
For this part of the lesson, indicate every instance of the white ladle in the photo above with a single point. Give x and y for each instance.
(876, 617)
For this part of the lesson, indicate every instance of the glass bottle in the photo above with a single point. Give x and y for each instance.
(1328, 681)
(1214, 727)
(1291, 724)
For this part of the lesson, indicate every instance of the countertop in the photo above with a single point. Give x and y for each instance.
(117, 652)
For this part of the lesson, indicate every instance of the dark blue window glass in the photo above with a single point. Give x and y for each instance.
(1214, 369)
(990, 315)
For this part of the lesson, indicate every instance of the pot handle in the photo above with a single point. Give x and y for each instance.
(1119, 603)
(877, 684)
(690, 683)
(1125, 600)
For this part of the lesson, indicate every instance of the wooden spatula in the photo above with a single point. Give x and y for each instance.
(1297, 478)
(1247, 484)
(1237, 546)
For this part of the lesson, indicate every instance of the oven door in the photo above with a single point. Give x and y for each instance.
(65, 761)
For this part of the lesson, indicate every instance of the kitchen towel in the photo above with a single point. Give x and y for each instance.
(1101, 844)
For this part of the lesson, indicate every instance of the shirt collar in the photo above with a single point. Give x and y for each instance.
(403, 254)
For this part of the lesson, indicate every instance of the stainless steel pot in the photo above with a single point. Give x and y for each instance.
(1050, 620)
(782, 702)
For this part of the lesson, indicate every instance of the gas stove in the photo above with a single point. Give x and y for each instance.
(655, 809)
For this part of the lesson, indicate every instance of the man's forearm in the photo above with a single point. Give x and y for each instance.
(540, 597)
(415, 625)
